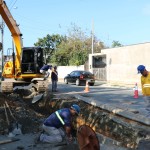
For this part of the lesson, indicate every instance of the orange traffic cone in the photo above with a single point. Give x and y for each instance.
(136, 93)
(87, 87)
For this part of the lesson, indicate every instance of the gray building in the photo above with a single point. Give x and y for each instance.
(119, 65)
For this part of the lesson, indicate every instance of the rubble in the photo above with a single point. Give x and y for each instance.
(24, 115)
(30, 116)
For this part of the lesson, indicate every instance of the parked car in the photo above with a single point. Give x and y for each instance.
(79, 77)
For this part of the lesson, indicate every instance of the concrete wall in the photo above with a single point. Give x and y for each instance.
(64, 70)
(122, 63)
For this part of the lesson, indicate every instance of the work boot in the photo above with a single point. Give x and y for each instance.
(38, 138)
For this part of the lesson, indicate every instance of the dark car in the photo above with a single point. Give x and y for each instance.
(79, 77)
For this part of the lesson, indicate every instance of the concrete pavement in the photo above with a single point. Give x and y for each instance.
(115, 100)
(125, 109)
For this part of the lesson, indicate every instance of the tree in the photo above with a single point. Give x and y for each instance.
(61, 56)
(116, 44)
(76, 48)
(49, 44)
(72, 49)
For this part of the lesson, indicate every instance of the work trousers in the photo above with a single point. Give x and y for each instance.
(54, 85)
(147, 102)
(52, 135)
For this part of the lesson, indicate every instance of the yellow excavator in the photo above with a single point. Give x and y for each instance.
(24, 69)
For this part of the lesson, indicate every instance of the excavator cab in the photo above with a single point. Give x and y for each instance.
(32, 60)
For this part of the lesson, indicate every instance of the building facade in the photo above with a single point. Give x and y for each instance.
(119, 65)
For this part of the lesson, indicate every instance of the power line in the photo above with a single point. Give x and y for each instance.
(13, 4)
(30, 21)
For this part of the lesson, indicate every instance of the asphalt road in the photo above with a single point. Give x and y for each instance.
(103, 93)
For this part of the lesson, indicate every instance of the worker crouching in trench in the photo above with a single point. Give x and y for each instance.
(58, 125)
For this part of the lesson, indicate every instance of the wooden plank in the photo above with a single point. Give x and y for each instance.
(9, 141)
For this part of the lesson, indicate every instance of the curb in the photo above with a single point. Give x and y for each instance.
(115, 110)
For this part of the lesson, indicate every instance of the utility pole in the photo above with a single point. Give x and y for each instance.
(2, 51)
(91, 62)
(92, 37)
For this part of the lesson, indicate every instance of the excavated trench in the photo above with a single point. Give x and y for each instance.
(122, 132)
(125, 132)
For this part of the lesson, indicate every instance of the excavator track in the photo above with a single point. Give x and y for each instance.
(42, 86)
(9, 86)
(39, 84)
(6, 87)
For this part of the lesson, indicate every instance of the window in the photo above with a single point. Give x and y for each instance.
(99, 61)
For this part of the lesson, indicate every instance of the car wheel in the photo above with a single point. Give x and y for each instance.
(77, 82)
(66, 81)
(91, 84)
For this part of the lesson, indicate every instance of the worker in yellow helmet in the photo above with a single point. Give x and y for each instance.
(145, 84)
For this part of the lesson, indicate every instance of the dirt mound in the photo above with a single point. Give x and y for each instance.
(14, 109)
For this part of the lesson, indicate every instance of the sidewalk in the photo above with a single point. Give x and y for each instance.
(122, 110)
(114, 99)
(133, 109)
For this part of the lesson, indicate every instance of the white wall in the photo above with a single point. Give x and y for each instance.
(122, 63)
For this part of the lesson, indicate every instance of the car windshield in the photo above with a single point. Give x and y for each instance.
(86, 72)
(72, 73)
(78, 73)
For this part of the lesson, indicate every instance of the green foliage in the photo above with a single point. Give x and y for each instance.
(69, 50)
(116, 44)
(49, 44)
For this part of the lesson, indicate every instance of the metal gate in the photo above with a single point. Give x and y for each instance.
(100, 73)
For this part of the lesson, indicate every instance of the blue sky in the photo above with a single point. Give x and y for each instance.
(126, 21)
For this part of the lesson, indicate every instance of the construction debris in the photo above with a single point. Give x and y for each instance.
(16, 116)
(31, 116)
(36, 98)
(9, 141)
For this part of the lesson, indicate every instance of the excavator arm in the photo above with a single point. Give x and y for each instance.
(25, 69)
(16, 35)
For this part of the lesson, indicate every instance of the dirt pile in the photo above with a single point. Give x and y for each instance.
(30, 116)
(14, 109)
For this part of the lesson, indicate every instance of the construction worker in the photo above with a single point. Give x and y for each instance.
(145, 84)
(58, 125)
(54, 78)
(46, 70)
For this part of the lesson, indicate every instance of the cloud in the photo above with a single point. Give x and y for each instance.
(146, 10)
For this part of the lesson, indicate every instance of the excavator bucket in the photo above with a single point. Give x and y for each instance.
(37, 98)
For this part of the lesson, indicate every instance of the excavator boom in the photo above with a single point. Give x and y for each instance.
(14, 29)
